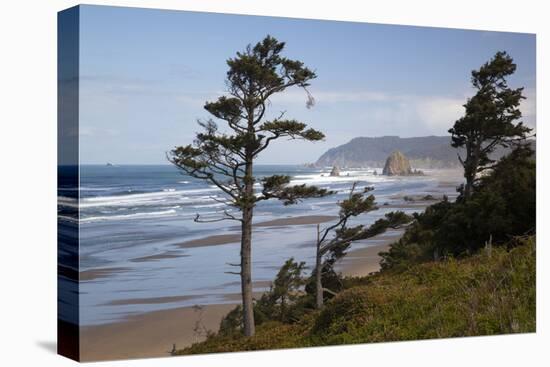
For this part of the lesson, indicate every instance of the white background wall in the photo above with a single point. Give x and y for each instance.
(28, 181)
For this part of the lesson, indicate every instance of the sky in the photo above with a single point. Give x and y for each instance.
(145, 76)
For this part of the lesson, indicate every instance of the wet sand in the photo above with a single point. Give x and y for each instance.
(164, 255)
(149, 335)
(224, 239)
(93, 274)
(297, 221)
(152, 301)
(257, 286)
(216, 240)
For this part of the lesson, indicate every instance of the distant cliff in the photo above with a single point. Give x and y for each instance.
(422, 152)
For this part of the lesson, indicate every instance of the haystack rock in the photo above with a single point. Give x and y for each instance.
(335, 171)
(397, 165)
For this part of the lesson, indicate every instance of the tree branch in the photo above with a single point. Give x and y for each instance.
(226, 216)
(233, 272)
(329, 291)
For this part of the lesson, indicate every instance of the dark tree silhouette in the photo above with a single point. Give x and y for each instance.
(490, 119)
(226, 159)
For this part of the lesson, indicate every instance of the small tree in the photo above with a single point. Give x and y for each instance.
(226, 159)
(357, 203)
(489, 120)
(287, 284)
(273, 305)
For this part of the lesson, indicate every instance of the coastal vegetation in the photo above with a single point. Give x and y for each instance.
(461, 268)
(436, 281)
(484, 294)
(502, 205)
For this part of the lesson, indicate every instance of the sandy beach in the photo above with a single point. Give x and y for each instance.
(363, 261)
(149, 335)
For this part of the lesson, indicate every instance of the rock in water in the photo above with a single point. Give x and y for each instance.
(335, 171)
(397, 165)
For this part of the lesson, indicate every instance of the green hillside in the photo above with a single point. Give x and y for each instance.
(485, 294)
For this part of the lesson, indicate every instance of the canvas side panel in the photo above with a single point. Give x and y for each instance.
(68, 343)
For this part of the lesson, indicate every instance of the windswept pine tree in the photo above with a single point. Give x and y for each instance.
(342, 236)
(225, 157)
(334, 240)
(491, 119)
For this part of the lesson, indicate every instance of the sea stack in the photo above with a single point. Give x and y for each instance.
(335, 171)
(397, 165)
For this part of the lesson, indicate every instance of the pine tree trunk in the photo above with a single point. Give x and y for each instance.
(318, 273)
(283, 308)
(470, 169)
(246, 250)
(468, 186)
(318, 284)
(246, 273)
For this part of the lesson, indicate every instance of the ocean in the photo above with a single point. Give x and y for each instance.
(134, 219)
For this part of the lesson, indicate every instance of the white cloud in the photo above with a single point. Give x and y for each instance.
(528, 107)
(410, 114)
(439, 113)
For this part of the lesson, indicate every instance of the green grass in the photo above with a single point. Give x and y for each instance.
(479, 295)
